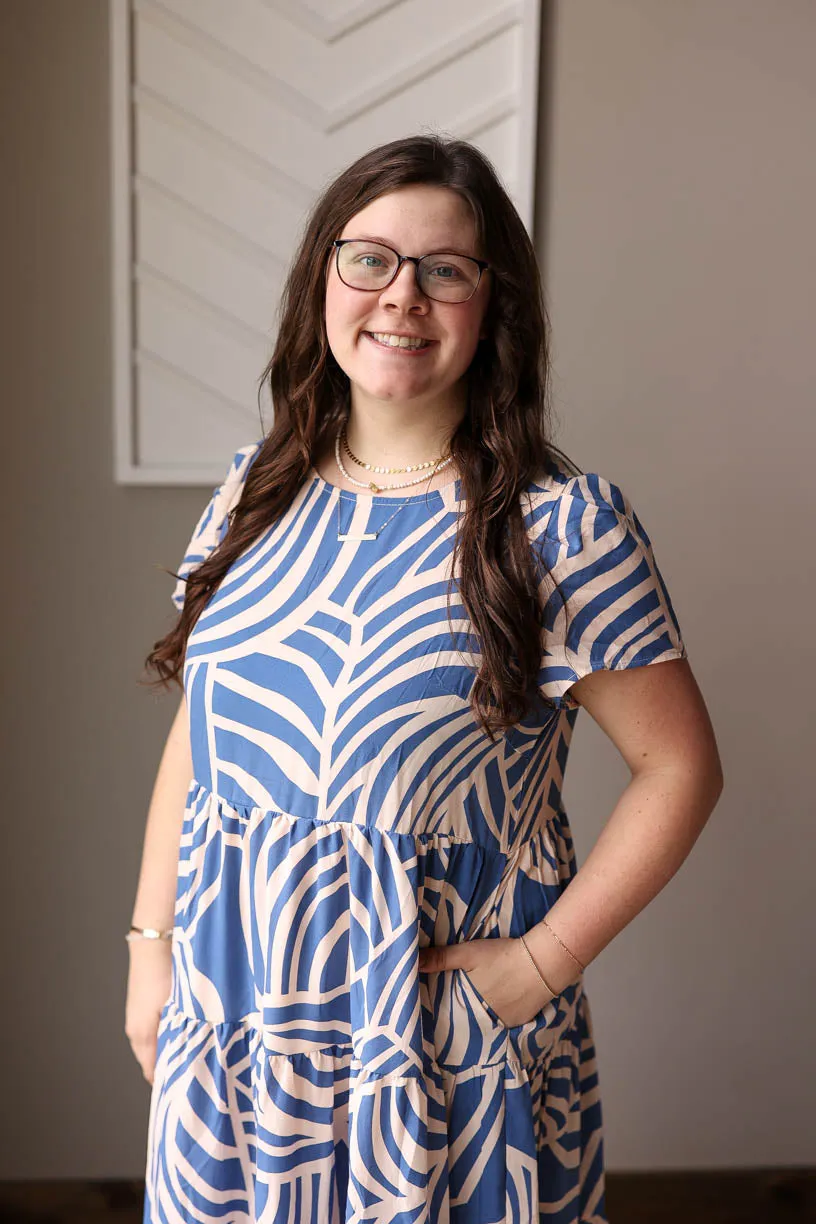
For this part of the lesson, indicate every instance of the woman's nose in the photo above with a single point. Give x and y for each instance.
(404, 289)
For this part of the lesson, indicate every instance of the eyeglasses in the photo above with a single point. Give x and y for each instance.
(372, 266)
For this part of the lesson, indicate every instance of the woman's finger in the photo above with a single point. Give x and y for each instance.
(144, 1051)
(146, 1058)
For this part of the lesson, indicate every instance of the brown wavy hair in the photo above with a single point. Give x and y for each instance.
(500, 445)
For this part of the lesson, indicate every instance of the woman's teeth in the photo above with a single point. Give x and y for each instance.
(412, 342)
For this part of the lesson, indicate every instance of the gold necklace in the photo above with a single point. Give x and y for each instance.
(387, 471)
(369, 484)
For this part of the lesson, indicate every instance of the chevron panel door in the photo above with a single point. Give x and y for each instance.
(227, 121)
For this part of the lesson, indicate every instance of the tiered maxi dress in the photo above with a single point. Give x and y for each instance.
(346, 809)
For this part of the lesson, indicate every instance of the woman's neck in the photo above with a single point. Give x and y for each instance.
(396, 435)
(387, 436)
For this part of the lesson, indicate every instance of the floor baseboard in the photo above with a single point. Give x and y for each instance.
(750, 1196)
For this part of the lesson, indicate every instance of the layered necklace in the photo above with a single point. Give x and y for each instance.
(341, 439)
(438, 464)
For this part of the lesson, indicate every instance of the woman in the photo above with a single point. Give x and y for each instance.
(375, 1006)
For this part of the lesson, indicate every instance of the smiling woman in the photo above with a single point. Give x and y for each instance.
(427, 326)
(376, 1010)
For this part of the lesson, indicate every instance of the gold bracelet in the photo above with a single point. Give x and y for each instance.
(148, 933)
(563, 945)
(538, 971)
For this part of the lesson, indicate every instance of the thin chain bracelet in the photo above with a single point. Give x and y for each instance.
(563, 945)
(148, 933)
(535, 966)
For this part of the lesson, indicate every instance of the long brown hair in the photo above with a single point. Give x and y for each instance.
(500, 445)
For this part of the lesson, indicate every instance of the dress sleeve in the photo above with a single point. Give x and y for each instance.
(212, 525)
(611, 609)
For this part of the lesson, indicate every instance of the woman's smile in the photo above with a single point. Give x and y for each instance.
(403, 345)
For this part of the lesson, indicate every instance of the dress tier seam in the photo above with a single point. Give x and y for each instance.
(539, 831)
(345, 1053)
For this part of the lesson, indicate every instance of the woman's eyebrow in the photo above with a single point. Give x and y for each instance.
(440, 250)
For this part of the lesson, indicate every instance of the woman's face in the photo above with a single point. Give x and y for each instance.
(415, 220)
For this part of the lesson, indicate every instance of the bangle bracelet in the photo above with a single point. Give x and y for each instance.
(148, 933)
(563, 945)
(538, 971)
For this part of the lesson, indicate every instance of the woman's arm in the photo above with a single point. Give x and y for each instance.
(150, 972)
(657, 719)
(156, 891)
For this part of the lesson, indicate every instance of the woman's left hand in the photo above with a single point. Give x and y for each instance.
(500, 970)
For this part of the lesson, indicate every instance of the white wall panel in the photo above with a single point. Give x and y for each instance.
(228, 119)
(239, 278)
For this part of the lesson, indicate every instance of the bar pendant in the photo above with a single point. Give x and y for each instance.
(368, 535)
(350, 535)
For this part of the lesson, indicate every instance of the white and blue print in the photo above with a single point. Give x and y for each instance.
(346, 809)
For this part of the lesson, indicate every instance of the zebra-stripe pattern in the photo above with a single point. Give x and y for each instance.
(346, 809)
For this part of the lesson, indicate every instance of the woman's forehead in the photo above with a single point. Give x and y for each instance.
(436, 217)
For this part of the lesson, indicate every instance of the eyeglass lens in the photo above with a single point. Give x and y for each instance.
(367, 265)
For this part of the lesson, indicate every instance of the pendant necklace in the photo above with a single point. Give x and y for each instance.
(372, 535)
(366, 535)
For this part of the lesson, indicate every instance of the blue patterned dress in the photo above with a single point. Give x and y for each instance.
(347, 809)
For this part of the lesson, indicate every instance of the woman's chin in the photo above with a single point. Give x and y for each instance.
(393, 390)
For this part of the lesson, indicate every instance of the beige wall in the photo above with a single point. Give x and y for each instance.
(676, 236)
(681, 264)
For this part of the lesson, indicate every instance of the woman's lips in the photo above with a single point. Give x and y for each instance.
(398, 348)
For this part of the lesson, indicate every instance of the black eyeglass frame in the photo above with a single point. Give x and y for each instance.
(416, 260)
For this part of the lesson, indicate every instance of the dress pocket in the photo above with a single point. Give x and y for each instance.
(535, 1038)
(494, 1015)
(468, 987)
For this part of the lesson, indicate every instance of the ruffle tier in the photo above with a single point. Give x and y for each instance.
(307, 1071)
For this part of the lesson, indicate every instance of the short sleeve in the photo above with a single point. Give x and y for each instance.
(606, 605)
(212, 525)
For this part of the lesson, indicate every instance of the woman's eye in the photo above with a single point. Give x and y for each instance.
(369, 261)
(445, 272)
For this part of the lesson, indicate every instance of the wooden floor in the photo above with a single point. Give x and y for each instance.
(757, 1197)
(747, 1197)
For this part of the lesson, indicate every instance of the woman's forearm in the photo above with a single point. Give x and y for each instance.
(156, 892)
(651, 831)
